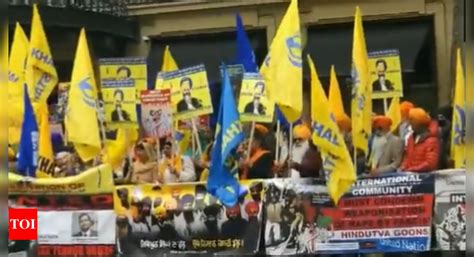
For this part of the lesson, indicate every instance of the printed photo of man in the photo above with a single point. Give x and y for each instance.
(381, 84)
(188, 102)
(123, 73)
(118, 114)
(86, 223)
(255, 106)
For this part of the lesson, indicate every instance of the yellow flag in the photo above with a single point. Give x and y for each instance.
(335, 99)
(117, 150)
(81, 117)
(361, 105)
(394, 113)
(169, 64)
(16, 82)
(458, 132)
(282, 69)
(41, 74)
(336, 158)
(45, 149)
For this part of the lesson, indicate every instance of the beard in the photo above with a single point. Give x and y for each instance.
(299, 151)
(380, 141)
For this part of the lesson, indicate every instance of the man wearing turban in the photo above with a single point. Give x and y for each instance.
(305, 158)
(387, 149)
(404, 129)
(422, 149)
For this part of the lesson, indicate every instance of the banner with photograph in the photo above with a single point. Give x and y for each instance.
(184, 218)
(254, 104)
(190, 96)
(385, 74)
(450, 210)
(120, 85)
(75, 214)
(383, 214)
(156, 113)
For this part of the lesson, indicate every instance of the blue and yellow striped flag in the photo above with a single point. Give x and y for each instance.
(458, 132)
(283, 67)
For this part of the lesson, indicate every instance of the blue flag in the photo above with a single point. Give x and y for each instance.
(28, 148)
(221, 183)
(245, 54)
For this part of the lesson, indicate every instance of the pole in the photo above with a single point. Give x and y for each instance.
(290, 152)
(252, 134)
(385, 106)
(278, 138)
(195, 131)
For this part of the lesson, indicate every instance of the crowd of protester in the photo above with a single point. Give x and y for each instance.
(420, 143)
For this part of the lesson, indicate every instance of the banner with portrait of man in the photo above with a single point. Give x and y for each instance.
(129, 68)
(156, 113)
(254, 104)
(385, 74)
(118, 90)
(190, 96)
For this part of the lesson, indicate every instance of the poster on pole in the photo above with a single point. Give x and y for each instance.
(190, 96)
(383, 214)
(254, 104)
(385, 74)
(450, 210)
(156, 113)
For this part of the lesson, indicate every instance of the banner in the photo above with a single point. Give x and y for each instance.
(254, 104)
(450, 210)
(202, 123)
(75, 214)
(121, 82)
(184, 218)
(236, 75)
(385, 74)
(156, 113)
(384, 214)
(190, 96)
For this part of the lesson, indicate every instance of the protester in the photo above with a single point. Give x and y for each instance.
(444, 118)
(175, 168)
(145, 166)
(344, 124)
(260, 163)
(386, 150)
(306, 159)
(422, 150)
(404, 129)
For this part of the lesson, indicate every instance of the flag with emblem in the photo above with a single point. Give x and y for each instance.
(41, 75)
(16, 83)
(81, 116)
(458, 132)
(337, 161)
(361, 104)
(283, 66)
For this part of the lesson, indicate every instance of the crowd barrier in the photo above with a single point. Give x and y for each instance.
(403, 212)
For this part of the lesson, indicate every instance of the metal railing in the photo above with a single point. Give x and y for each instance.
(111, 7)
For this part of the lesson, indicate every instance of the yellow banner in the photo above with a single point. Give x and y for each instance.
(120, 81)
(385, 74)
(190, 96)
(119, 69)
(254, 104)
(93, 181)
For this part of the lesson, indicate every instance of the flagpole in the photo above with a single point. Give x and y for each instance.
(195, 131)
(277, 150)
(385, 106)
(252, 134)
(102, 131)
(290, 152)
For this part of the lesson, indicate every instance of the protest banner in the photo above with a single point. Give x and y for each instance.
(385, 74)
(75, 214)
(383, 214)
(156, 113)
(450, 210)
(202, 123)
(184, 218)
(190, 96)
(121, 81)
(236, 75)
(254, 105)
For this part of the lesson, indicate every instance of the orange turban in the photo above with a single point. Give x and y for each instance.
(302, 131)
(381, 121)
(419, 116)
(344, 123)
(261, 129)
(405, 108)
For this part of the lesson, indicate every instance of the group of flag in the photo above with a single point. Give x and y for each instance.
(32, 77)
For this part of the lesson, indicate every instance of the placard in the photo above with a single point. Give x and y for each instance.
(156, 113)
(385, 74)
(254, 104)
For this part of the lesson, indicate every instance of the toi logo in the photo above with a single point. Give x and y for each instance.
(22, 224)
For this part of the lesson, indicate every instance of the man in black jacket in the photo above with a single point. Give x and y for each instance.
(188, 102)
(381, 84)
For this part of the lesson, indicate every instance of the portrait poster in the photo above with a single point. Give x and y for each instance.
(129, 68)
(190, 96)
(385, 74)
(254, 104)
(383, 214)
(156, 113)
(450, 210)
(119, 94)
(184, 218)
(75, 214)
